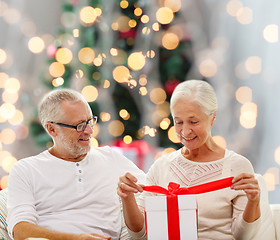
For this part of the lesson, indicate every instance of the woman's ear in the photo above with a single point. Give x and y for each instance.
(50, 129)
(213, 118)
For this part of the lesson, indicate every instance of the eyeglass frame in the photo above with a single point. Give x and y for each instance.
(76, 126)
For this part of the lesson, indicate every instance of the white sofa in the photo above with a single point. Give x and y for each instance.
(270, 214)
(275, 208)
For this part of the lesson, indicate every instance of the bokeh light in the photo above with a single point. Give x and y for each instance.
(146, 31)
(136, 61)
(277, 155)
(208, 68)
(164, 15)
(36, 45)
(165, 123)
(271, 178)
(58, 82)
(17, 118)
(158, 96)
(7, 136)
(3, 56)
(219, 140)
(127, 139)
(88, 15)
(174, 5)
(138, 11)
(10, 97)
(244, 15)
(124, 4)
(8, 162)
(253, 65)
(64, 55)
(90, 93)
(248, 116)
(243, 94)
(12, 16)
(132, 23)
(123, 25)
(3, 78)
(56, 69)
(86, 55)
(121, 74)
(155, 27)
(106, 84)
(170, 40)
(105, 116)
(172, 135)
(94, 142)
(271, 33)
(7, 110)
(124, 114)
(28, 28)
(4, 181)
(76, 33)
(116, 128)
(143, 91)
(233, 6)
(12, 85)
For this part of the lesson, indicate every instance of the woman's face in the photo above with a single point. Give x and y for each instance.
(192, 125)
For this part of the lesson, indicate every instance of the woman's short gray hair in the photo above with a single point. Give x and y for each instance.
(200, 92)
(50, 106)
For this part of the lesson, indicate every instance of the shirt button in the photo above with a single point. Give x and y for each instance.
(80, 179)
(80, 171)
(77, 164)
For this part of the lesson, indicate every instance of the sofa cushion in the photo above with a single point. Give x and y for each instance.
(3, 214)
(276, 218)
(266, 230)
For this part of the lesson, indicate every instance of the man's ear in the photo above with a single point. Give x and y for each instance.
(213, 118)
(51, 130)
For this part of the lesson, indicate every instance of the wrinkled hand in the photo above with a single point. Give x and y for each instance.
(247, 183)
(93, 236)
(128, 185)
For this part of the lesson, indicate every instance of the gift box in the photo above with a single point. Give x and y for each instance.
(157, 223)
(174, 216)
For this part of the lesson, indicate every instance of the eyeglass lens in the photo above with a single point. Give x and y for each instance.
(82, 126)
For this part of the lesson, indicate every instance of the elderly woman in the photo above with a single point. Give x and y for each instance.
(230, 213)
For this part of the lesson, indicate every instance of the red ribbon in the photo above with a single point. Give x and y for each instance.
(172, 200)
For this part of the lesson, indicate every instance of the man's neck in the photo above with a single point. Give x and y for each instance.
(77, 158)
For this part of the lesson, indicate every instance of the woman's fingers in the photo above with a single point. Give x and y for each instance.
(247, 183)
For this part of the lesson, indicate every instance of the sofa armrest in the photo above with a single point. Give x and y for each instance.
(275, 208)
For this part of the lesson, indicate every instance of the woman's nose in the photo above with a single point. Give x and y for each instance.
(186, 131)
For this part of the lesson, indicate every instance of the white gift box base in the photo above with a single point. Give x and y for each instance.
(156, 217)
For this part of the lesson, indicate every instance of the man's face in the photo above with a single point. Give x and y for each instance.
(69, 142)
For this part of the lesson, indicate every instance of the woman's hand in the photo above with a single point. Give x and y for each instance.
(128, 185)
(247, 183)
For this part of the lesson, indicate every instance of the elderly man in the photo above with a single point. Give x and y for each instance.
(69, 190)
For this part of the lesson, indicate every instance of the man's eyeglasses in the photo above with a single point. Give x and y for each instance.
(81, 126)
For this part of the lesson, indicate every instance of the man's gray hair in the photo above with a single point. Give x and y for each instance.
(50, 106)
(199, 91)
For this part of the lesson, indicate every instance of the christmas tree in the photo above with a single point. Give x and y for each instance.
(126, 57)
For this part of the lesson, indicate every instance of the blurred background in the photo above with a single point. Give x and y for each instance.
(126, 57)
